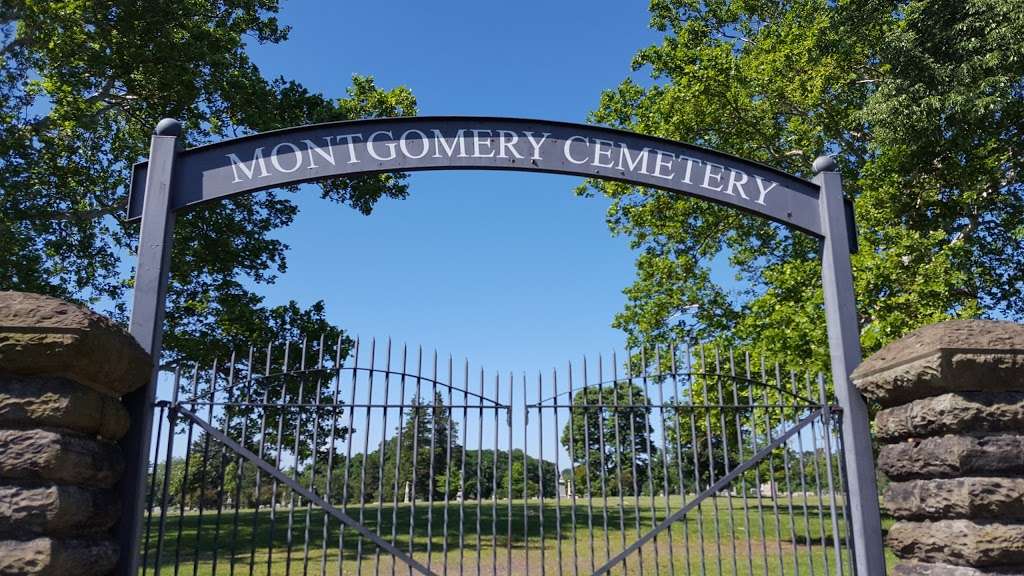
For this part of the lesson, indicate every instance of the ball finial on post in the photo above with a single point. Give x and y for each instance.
(824, 164)
(168, 127)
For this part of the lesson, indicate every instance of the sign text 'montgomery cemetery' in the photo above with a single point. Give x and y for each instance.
(414, 146)
(360, 147)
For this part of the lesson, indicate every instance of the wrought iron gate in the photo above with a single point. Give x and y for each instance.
(349, 458)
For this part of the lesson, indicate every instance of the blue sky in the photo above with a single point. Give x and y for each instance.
(509, 269)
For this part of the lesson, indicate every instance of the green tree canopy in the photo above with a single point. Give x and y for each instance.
(608, 437)
(82, 84)
(920, 101)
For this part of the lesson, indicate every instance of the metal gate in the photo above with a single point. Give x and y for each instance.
(351, 457)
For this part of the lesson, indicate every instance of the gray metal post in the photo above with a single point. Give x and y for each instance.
(151, 276)
(844, 348)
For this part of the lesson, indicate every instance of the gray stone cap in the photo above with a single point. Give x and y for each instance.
(45, 336)
(949, 356)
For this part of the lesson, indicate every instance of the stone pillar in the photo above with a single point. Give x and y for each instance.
(951, 430)
(62, 371)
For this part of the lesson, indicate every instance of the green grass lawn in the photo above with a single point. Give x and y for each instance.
(723, 537)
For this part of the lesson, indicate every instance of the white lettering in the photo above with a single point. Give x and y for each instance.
(390, 145)
(311, 147)
(478, 142)
(708, 175)
(568, 145)
(659, 163)
(237, 164)
(632, 163)
(348, 138)
(603, 148)
(506, 144)
(277, 163)
(403, 143)
(733, 181)
(440, 143)
(689, 167)
(536, 143)
(764, 191)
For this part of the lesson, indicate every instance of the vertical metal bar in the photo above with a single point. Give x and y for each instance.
(844, 348)
(816, 455)
(589, 468)
(328, 494)
(350, 435)
(277, 458)
(725, 456)
(678, 408)
(415, 446)
(803, 480)
(757, 469)
(479, 469)
(146, 325)
(664, 460)
(295, 455)
(618, 454)
(540, 472)
(366, 452)
(508, 464)
(508, 420)
(601, 448)
(695, 450)
(398, 454)
(740, 457)
(572, 464)
(263, 437)
(631, 416)
(526, 494)
(172, 421)
(185, 475)
(650, 456)
(239, 466)
(844, 490)
(789, 487)
(228, 413)
(383, 452)
(433, 456)
(462, 467)
(448, 461)
(494, 479)
(712, 476)
(771, 473)
(152, 488)
(829, 473)
(202, 469)
(317, 405)
(558, 472)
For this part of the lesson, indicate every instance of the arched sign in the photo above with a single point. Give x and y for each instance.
(174, 180)
(349, 149)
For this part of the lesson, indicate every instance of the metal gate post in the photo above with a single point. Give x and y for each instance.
(150, 291)
(844, 349)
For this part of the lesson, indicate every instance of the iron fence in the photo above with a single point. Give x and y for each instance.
(349, 458)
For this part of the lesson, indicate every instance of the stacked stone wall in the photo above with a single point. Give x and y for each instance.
(62, 372)
(951, 429)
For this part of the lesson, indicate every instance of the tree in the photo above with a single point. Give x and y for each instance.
(608, 437)
(420, 448)
(82, 84)
(920, 102)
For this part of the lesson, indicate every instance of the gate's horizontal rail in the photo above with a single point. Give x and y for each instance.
(713, 489)
(301, 490)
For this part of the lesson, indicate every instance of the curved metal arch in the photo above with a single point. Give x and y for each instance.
(360, 147)
(175, 180)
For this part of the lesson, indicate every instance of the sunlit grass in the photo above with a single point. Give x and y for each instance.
(726, 535)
